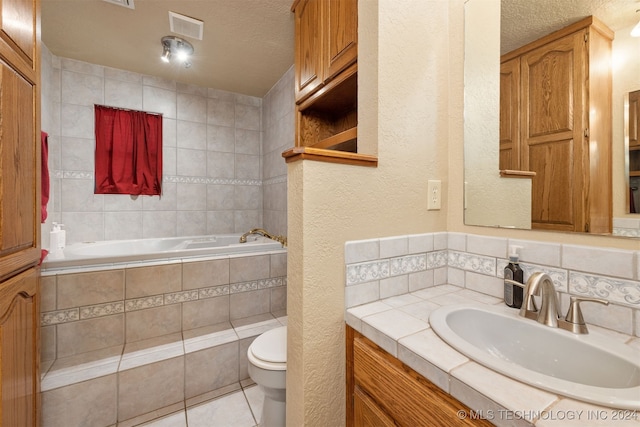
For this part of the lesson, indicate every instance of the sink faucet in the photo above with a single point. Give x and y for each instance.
(540, 284)
(262, 232)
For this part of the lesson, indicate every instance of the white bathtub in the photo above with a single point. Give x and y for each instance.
(127, 251)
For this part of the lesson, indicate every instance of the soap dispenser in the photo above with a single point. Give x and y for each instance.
(57, 238)
(513, 294)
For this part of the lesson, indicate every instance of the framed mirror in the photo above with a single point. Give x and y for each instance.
(495, 27)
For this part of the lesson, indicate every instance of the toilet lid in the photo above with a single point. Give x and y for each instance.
(271, 346)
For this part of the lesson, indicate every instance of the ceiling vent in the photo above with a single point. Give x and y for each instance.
(124, 3)
(186, 26)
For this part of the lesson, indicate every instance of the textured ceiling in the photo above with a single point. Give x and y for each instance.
(247, 44)
(523, 21)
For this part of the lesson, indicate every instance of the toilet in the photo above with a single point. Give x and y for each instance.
(268, 368)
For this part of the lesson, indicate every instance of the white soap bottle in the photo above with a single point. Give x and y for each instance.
(62, 240)
(54, 237)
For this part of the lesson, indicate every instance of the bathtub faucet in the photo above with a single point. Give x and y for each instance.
(262, 232)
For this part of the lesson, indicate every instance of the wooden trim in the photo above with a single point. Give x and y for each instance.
(590, 21)
(331, 156)
(507, 173)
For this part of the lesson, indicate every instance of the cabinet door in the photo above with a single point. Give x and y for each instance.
(19, 356)
(341, 36)
(17, 28)
(309, 19)
(553, 125)
(367, 413)
(510, 115)
(18, 184)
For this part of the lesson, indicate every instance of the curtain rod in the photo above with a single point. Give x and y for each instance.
(127, 109)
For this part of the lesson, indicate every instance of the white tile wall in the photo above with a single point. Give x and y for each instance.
(222, 169)
(395, 266)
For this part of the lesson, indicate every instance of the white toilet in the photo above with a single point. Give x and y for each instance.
(268, 368)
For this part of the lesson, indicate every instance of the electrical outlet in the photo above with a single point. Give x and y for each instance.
(434, 188)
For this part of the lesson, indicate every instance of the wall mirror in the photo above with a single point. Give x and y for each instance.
(495, 27)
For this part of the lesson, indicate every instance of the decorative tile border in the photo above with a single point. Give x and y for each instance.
(472, 262)
(65, 174)
(117, 307)
(619, 291)
(615, 290)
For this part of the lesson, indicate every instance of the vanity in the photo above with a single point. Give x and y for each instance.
(400, 372)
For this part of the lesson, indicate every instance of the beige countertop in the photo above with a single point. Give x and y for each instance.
(400, 325)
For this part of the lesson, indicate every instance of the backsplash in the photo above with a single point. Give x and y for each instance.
(386, 267)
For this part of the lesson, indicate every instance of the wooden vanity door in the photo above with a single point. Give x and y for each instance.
(553, 126)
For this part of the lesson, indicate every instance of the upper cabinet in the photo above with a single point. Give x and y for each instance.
(326, 42)
(560, 98)
(19, 136)
(326, 82)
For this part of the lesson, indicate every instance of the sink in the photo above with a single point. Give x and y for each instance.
(593, 367)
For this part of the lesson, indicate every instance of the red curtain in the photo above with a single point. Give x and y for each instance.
(128, 152)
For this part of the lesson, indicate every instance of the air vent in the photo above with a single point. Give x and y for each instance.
(123, 3)
(186, 26)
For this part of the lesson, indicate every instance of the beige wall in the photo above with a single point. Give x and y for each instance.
(411, 113)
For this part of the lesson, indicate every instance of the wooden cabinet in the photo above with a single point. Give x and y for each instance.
(326, 42)
(19, 337)
(326, 75)
(564, 126)
(510, 115)
(19, 211)
(382, 391)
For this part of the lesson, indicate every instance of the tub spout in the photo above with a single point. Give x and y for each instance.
(262, 232)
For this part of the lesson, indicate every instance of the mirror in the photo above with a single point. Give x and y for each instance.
(491, 200)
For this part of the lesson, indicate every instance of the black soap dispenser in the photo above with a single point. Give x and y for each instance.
(513, 293)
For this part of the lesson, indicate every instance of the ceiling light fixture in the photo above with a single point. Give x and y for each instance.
(175, 47)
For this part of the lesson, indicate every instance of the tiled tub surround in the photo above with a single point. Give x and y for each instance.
(393, 284)
(142, 337)
(217, 166)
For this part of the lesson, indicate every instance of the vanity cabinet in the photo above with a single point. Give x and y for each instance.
(382, 391)
(563, 117)
(19, 211)
(326, 84)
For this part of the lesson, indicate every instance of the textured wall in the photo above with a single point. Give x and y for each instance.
(403, 85)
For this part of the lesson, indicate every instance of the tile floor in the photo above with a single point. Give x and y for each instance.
(240, 408)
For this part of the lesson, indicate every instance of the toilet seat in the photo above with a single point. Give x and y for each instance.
(269, 350)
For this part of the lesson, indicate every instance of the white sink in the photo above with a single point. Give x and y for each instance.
(592, 367)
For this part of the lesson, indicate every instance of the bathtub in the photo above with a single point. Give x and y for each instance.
(146, 250)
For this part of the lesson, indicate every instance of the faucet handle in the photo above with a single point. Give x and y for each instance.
(574, 314)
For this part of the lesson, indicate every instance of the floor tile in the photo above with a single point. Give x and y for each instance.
(229, 411)
(178, 419)
(255, 397)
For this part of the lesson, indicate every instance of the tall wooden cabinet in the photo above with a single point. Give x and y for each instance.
(326, 81)
(19, 211)
(564, 126)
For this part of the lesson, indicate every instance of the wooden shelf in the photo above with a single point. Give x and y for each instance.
(331, 156)
(634, 173)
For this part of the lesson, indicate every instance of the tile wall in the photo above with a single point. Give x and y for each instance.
(92, 309)
(381, 268)
(216, 166)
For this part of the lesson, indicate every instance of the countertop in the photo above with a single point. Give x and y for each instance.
(400, 325)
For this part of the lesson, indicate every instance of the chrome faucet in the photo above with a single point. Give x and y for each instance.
(262, 232)
(540, 284)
